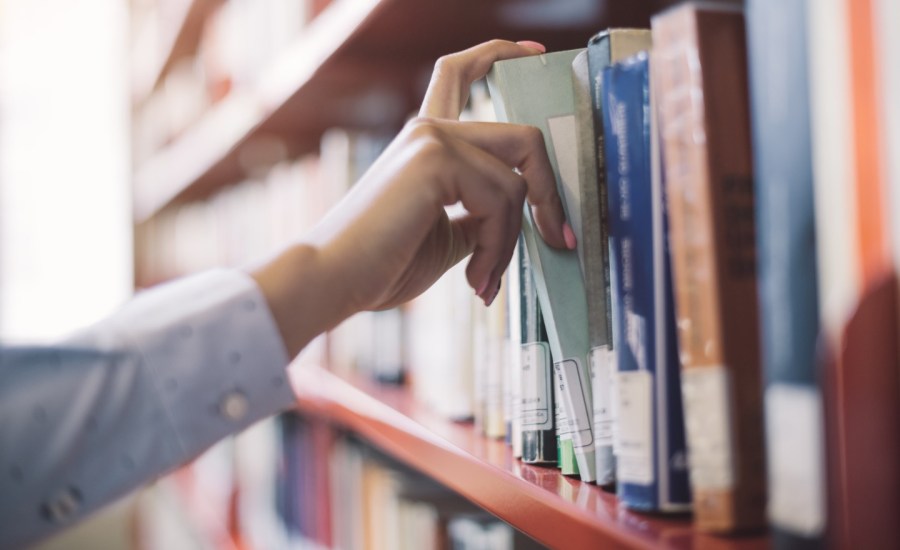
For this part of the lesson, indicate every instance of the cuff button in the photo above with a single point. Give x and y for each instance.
(234, 405)
(63, 506)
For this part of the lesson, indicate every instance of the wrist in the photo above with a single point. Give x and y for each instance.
(303, 293)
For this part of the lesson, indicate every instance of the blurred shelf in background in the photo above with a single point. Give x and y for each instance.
(357, 64)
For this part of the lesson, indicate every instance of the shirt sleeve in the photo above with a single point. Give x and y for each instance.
(86, 421)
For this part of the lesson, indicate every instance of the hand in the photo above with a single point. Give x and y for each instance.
(390, 238)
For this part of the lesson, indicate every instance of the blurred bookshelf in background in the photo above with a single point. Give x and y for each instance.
(250, 119)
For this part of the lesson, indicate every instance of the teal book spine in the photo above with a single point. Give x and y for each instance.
(537, 91)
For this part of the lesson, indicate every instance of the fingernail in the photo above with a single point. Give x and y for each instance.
(482, 287)
(533, 45)
(569, 236)
(490, 300)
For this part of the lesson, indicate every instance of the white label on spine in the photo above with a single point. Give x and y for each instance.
(537, 413)
(575, 394)
(635, 433)
(601, 376)
(707, 419)
(796, 449)
(563, 422)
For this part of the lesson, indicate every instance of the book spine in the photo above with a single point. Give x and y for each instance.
(594, 246)
(495, 363)
(857, 289)
(789, 312)
(711, 205)
(539, 444)
(565, 428)
(887, 15)
(867, 143)
(512, 345)
(651, 456)
(604, 48)
(538, 91)
(480, 352)
(604, 372)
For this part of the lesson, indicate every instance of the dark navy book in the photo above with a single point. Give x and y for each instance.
(650, 439)
(786, 248)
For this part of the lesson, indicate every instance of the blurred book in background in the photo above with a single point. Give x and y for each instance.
(788, 289)
(700, 52)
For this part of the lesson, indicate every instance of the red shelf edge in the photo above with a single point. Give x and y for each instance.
(540, 513)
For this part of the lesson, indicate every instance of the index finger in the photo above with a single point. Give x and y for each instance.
(453, 74)
(522, 148)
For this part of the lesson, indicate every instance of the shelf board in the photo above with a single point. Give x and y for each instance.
(183, 42)
(554, 509)
(359, 64)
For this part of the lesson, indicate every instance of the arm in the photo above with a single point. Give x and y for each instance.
(87, 420)
(182, 366)
(390, 238)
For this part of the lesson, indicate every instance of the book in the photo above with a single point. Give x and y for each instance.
(862, 396)
(856, 278)
(440, 346)
(490, 358)
(512, 382)
(538, 91)
(651, 458)
(595, 268)
(786, 265)
(710, 196)
(606, 47)
(537, 395)
(886, 15)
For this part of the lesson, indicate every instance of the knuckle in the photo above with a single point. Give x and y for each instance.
(431, 150)
(423, 128)
(497, 43)
(533, 136)
(446, 63)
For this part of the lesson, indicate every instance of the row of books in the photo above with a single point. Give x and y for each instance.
(298, 481)
(335, 491)
(724, 338)
(711, 276)
(278, 204)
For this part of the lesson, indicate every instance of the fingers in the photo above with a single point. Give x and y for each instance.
(522, 148)
(493, 195)
(453, 74)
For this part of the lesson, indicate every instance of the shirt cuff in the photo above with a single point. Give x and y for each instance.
(213, 352)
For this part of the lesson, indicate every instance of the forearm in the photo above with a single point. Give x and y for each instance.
(177, 369)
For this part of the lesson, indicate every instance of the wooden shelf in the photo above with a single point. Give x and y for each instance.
(359, 64)
(556, 510)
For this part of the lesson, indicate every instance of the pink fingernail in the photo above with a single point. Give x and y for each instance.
(533, 45)
(482, 287)
(569, 236)
(490, 301)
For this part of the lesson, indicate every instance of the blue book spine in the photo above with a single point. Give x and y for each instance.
(788, 290)
(652, 466)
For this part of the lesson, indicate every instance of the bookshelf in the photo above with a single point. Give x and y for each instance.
(359, 64)
(185, 31)
(364, 64)
(556, 510)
